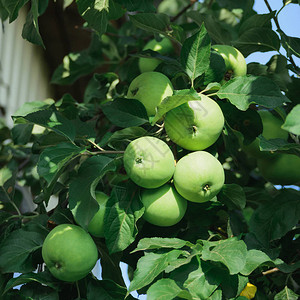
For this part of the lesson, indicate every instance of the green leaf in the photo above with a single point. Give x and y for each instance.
(8, 175)
(215, 30)
(164, 289)
(3, 13)
(290, 44)
(150, 266)
(31, 107)
(16, 251)
(21, 133)
(49, 118)
(82, 201)
(78, 64)
(216, 69)
(13, 7)
(125, 112)
(158, 24)
(100, 87)
(195, 54)
(105, 290)
(202, 282)
(286, 294)
(31, 31)
(124, 208)
(253, 260)
(233, 196)
(157, 243)
(217, 295)
(44, 278)
(278, 145)
(141, 5)
(245, 90)
(53, 159)
(274, 218)
(292, 122)
(258, 20)
(120, 139)
(223, 251)
(178, 98)
(34, 290)
(95, 13)
(260, 39)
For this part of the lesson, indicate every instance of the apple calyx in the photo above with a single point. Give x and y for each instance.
(138, 160)
(206, 187)
(228, 75)
(58, 266)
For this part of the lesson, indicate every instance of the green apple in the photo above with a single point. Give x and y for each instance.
(69, 252)
(96, 225)
(271, 130)
(234, 61)
(198, 176)
(149, 162)
(163, 47)
(163, 205)
(150, 89)
(283, 169)
(195, 125)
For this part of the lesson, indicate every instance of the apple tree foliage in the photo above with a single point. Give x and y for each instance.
(68, 148)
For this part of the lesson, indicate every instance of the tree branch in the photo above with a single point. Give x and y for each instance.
(192, 2)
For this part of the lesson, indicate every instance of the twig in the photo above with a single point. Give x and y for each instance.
(192, 2)
(279, 29)
(274, 270)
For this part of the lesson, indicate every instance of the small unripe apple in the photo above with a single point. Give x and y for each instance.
(198, 176)
(163, 47)
(234, 61)
(163, 206)
(282, 168)
(150, 89)
(195, 125)
(271, 130)
(69, 252)
(149, 162)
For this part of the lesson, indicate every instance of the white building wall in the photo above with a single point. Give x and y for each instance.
(23, 72)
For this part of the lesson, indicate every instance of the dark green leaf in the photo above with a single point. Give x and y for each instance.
(31, 27)
(141, 6)
(121, 138)
(164, 289)
(31, 107)
(43, 278)
(286, 294)
(21, 133)
(53, 159)
(150, 266)
(260, 39)
(157, 243)
(125, 112)
(292, 122)
(290, 44)
(95, 12)
(17, 249)
(178, 98)
(82, 201)
(233, 196)
(195, 54)
(202, 282)
(263, 20)
(278, 145)
(49, 118)
(245, 90)
(254, 259)
(8, 175)
(78, 64)
(13, 7)
(215, 30)
(124, 208)
(216, 69)
(36, 291)
(274, 218)
(223, 251)
(3, 11)
(105, 290)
